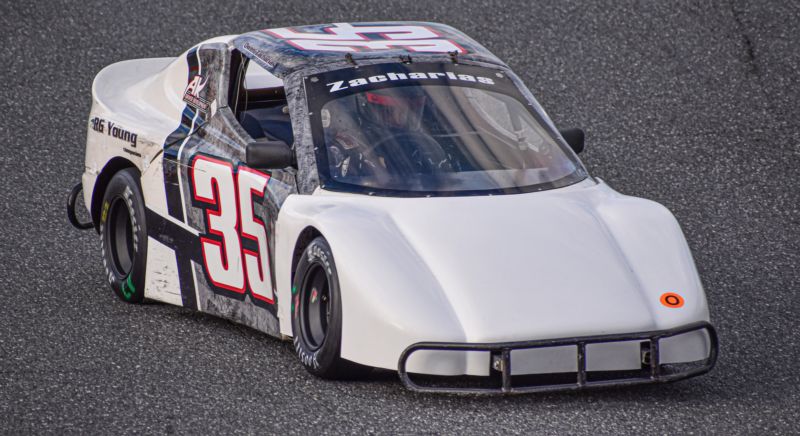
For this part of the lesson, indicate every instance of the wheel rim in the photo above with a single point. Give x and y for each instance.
(120, 236)
(315, 307)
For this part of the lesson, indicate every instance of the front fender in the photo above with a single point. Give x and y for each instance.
(377, 268)
(654, 245)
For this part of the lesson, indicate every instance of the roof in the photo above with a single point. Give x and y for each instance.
(282, 51)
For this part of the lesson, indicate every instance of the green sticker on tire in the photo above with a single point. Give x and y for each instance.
(127, 288)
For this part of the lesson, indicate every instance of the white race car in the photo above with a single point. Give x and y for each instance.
(388, 195)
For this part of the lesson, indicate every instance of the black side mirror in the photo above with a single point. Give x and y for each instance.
(574, 138)
(269, 155)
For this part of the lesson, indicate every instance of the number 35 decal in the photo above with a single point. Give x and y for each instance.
(230, 221)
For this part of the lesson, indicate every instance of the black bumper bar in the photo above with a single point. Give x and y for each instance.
(652, 369)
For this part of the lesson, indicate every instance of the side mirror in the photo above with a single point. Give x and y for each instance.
(269, 155)
(574, 138)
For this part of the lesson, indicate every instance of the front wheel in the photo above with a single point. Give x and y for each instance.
(317, 315)
(123, 235)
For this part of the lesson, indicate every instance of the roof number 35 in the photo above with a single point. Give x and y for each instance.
(344, 37)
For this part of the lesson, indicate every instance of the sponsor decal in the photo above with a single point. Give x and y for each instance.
(672, 300)
(258, 53)
(344, 37)
(114, 130)
(98, 124)
(131, 152)
(397, 77)
(191, 94)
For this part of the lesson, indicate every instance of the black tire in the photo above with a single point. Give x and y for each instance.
(123, 235)
(317, 315)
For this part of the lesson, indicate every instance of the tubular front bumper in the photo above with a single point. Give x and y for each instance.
(652, 371)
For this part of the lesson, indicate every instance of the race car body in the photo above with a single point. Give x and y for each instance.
(388, 195)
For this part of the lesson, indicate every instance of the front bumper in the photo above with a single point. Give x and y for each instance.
(501, 380)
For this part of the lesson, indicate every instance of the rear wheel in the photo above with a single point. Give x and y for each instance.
(317, 315)
(123, 235)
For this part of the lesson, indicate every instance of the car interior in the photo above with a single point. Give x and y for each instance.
(258, 99)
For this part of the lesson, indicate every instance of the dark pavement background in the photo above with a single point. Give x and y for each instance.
(692, 104)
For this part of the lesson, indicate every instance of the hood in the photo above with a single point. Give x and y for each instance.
(543, 261)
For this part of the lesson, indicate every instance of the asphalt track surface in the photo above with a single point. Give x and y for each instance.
(694, 105)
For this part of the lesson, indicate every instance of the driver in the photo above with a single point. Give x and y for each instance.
(363, 145)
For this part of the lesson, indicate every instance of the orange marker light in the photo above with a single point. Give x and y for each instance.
(672, 300)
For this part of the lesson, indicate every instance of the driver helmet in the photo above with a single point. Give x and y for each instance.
(396, 108)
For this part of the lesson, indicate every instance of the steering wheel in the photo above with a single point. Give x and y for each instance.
(427, 155)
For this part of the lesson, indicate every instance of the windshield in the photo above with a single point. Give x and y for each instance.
(430, 129)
